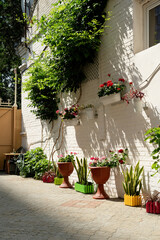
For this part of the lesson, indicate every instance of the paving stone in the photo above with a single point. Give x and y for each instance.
(31, 210)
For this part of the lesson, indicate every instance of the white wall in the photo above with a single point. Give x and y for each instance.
(117, 126)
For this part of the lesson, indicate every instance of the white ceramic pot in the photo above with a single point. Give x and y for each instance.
(71, 122)
(109, 99)
(89, 113)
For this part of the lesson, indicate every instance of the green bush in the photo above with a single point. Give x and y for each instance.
(34, 164)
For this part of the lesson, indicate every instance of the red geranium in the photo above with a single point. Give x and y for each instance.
(120, 150)
(102, 85)
(131, 83)
(121, 161)
(109, 74)
(118, 89)
(121, 80)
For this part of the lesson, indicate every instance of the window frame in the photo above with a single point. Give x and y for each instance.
(146, 10)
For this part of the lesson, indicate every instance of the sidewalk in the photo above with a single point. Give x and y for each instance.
(33, 210)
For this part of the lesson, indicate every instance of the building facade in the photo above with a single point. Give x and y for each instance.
(130, 50)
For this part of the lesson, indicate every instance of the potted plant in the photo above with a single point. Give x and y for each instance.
(48, 177)
(89, 111)
(66, 167)
(132, 186)
(58, 180)
(100, 170)
(153, 204)
(109, 92)
(70, 115)
(135, 96)
(81, 168)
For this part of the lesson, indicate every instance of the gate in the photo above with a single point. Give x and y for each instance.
(10, 128)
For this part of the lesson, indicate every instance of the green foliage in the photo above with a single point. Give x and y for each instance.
(81, 168)
(68, 158)
(132, 183)
(56, 170)
(35, 164)
(111, 88)
(153, 135)
(72, 32)
(11, 30)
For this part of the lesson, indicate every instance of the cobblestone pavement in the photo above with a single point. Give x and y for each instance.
(33, 210)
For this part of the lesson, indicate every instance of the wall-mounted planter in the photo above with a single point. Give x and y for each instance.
(132, 200)
(138, 105)
(89, 113)
(71, 122)
(84, 188)
(109, 99)
(58, 181)
(153, 207)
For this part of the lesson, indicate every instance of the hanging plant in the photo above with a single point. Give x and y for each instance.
(72, 33)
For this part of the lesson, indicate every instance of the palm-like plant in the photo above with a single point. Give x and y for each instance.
(132, 183)
(82, 170)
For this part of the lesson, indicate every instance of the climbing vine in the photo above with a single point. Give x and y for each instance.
(72, 33)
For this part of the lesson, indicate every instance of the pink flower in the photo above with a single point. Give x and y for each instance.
(71, 153)
(92, 158)
(90, 163)
(60, 156)
(57, 111)
(102, 158)
(120, 150)
(66, 109)
(75, 153)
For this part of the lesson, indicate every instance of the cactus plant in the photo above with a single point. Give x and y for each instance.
(132, 183)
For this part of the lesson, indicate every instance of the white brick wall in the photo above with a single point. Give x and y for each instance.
(117, 126)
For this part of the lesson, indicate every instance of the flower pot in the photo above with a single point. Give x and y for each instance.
(89, 113)
(109, 99)
(65, 168)
(100, 175)
(71, 122)
(132, 200)
(153, 207)
(138, 105)
(58, 181)
(84, 188)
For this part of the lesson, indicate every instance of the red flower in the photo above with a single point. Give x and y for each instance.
(109, 74)
(131, 83)
(109, 84)
(118, 89)
(121, 80)
(96, 158)
(120, 150)
(57, 111)
(121, 161)
(92, 158)
(102, 85)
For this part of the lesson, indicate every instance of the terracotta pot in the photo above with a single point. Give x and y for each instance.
(65, 168)
(100, 175)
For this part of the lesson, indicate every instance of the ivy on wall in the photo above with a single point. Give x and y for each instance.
(72, 32)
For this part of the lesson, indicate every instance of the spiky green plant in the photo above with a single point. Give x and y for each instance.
(82, 170)
(132, 183)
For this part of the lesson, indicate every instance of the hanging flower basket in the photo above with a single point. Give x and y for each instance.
(71, 122)
(109, 99)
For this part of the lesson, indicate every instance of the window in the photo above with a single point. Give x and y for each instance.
(152, 24)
